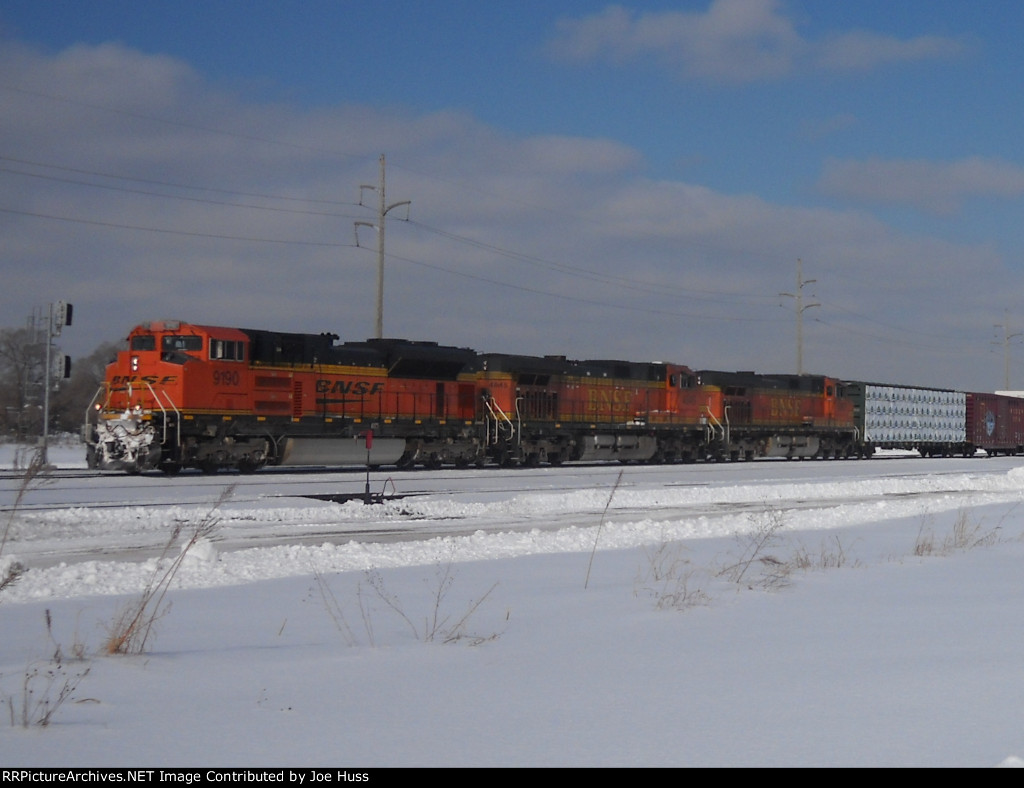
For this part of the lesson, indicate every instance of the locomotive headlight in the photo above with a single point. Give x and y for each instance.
(135, 363)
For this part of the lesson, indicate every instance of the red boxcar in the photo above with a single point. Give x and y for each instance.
(995, 423)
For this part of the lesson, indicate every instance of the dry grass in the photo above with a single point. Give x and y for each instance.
(438, 622)
(964, 535)
(830, 555)
(35, 475)
(756, 566)
(670, 579)
(131, 630)
(45, 687)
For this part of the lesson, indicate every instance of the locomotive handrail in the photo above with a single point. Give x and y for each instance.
(89, 407)
(715, 424)
(499, 416)
(163, 410)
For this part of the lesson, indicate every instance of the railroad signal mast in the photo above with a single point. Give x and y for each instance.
(59, 316)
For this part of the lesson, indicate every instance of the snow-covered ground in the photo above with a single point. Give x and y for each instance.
(805, 614)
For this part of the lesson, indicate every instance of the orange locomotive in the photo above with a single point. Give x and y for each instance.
(185, 395)
(192, 396)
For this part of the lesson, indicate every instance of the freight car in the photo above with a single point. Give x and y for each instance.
(930, 421)
(995, 423)
(936, 422)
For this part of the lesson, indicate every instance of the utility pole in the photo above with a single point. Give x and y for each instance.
(1007, 336)
(382, 211)
(801, 307)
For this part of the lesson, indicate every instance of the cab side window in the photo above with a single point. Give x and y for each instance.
(227, 350)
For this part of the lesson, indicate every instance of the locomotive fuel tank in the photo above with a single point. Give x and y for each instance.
(341, 451)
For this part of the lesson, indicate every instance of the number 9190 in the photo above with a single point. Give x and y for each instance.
(225, 377)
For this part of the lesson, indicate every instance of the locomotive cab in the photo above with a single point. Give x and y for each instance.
(169, 369)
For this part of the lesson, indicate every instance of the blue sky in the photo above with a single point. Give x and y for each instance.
(634, 180)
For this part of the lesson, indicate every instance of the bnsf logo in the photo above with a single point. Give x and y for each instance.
(783, 408)
(152, 380)
(348, 387)
(614, 398)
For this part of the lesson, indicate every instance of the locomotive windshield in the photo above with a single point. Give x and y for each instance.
(173, 342)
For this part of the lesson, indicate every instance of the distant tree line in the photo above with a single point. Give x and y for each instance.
(22, 382)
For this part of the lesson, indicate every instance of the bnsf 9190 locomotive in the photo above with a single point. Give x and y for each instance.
(192, 396)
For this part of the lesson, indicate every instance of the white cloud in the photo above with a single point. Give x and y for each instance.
(734, 41)
(863, 50)
(822, 128)
(544, 244)
(934, 187)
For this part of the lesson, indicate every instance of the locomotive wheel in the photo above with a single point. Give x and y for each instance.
(405, 462)
(170, 468)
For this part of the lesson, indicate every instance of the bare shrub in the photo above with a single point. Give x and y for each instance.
(768, 571)
(828, 556)
(134, 625)
(670, 579)
(45, 687)
(925, 542)
(437, 623)
(967, 535)
(600, 525)
(35, 475)
(10, 571)
(964, 535)
(336, 610)
(46, 684)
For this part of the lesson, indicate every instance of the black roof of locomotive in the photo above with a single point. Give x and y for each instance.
(405, 358)
(754, 380)
(540, 366)
(423, 359)
(401, 357)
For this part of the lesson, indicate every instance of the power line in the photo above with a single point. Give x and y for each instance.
(585, 273)
(575, 271)
(183, 198)
(117, 226)
(173, 122)
(730, 318)
(628, 283)
(552, 265)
